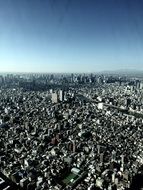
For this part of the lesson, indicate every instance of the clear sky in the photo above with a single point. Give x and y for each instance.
(71, 35)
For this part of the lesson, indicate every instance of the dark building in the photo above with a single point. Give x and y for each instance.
(5, 183)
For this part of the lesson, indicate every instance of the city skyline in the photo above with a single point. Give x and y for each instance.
(70, 36)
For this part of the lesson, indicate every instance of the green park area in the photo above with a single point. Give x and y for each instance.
(70, 177)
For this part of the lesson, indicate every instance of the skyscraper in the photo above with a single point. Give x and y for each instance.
(61, 97)
(54, 98)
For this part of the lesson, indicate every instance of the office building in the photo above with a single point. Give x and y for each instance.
(54, 98)
(61, 95)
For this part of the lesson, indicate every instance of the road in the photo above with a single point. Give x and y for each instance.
(124, 110)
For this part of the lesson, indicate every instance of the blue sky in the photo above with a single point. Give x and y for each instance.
(71, 35)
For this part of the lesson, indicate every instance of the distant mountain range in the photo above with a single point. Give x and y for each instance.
(130, 72)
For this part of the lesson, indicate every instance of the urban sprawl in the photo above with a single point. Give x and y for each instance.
(71, 131)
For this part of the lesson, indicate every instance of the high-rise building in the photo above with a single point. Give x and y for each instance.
(74, 146)
(101, 158)
(122, 163)
(128, 102)
(113, 158)
(98, 149)
(61, 96)
(54, 98)
(113, 177)
(141, 85)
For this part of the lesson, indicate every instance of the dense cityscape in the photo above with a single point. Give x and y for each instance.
(71, 94)
(71, 131)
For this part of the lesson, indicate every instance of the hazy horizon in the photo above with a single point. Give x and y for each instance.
(118, 71)
(71, 36)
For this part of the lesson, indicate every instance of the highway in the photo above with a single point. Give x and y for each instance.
(123, 110)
